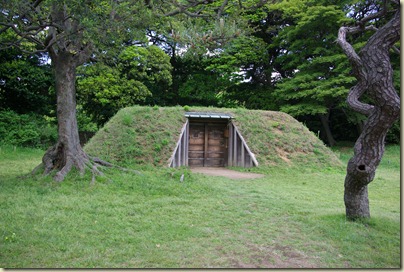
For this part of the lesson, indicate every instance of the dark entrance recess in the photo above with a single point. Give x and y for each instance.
(211, 140)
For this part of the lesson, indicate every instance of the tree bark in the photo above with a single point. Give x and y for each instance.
(67, 152)
(373, 70)
(67, 53)
(325, 121)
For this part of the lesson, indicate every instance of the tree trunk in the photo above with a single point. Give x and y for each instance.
(325, 121)
(67, 152)
(374, 73)
(67, 49)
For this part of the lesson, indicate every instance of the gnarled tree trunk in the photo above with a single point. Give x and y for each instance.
(373, 70)
(67, 152)
(67, 52)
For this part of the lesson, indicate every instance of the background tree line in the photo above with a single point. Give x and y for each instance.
(287, 60)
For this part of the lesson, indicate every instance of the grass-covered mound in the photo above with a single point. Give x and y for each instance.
(148, 135)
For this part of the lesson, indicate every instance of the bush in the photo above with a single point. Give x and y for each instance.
(29, 130)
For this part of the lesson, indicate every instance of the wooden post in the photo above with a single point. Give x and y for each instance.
(242, 155)
(234, 146)
(175, 159)
(205, 152)
(243, 142)
(186, 143)
(230, 147)
(238, 148)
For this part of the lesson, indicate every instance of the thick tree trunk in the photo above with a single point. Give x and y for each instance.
(67, 49)
(374, 73)
(67, 152)
(325, 121)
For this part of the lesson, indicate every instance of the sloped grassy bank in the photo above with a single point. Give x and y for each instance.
(148, 135)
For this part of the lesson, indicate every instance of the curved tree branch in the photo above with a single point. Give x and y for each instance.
(349, 50)
(372, 68)
(353, 99)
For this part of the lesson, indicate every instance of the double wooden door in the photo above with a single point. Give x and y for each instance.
(207, 145)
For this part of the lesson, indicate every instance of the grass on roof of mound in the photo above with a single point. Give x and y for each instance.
(141, 135)
(148, 135)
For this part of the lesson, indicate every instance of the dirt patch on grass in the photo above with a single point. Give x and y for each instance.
(283, 155)
(276, 256)
(224, 172)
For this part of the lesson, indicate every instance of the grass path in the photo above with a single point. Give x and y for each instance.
(294, 217)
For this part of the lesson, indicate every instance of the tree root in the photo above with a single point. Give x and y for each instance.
(52, 161)
(107, 164)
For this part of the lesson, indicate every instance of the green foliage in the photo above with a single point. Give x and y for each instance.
(238, 56)
(26, 85)
(321, 77)
(203, 88)
(84, 121)
(280, 56)
(28, 130)
(102, 91)
(141, 72)
(149, 64)
(200, 36)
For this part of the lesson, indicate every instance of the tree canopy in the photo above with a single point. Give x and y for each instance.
(258, 54)
(139, 73)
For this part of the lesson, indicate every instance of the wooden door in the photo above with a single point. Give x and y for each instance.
(196, 148)
(207, 145)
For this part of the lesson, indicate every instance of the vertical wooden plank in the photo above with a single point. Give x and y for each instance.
(230, 147)
(183, 148)
(247, 160)
(205, 153)
(174, 159)
(186, 143)
(239, 147)
(242, 155)
(234, 146)
(179, 152)
(255, 162)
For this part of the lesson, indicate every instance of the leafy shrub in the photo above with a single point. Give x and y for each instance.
(28, 130)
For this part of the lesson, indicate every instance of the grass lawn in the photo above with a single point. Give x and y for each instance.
(293, 217)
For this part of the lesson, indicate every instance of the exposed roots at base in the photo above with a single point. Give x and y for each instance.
(54, 159)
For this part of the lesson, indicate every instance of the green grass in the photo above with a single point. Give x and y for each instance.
(145, 135)
(293, 217)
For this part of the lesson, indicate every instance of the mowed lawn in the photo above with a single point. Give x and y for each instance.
(291, 218)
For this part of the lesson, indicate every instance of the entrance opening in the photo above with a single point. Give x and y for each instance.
(211, 140)
(207, 144)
